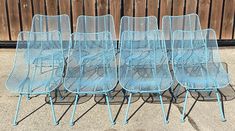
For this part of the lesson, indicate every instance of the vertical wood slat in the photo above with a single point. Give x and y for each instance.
(228, 16)
(51, 7)
(140, 8)
(90, 11)
(26, 14)
(165, 9)
(4, 29)
(89, 7)
(216, 15)
(77, 9)
(128, 7)
(64, 7)
(102, 7)
(178, 7)
(152, 8)
(115, 12)
(191, 6)
(203, 12)
(39, 6)
(14, 18)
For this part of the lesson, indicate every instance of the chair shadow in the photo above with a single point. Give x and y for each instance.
(31, 113)
(63, 97)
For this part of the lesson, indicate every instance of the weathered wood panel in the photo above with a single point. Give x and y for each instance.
(216, 15)
(152, 7)
(191, 6)
(227, 26)
(39, 6)
(203, 12)
(178, 7)
(4, 32)
(115, 6)
(52, 7)
(211, 12)
(26, 14)
(14, 18)
(128, 7)
(165, 9)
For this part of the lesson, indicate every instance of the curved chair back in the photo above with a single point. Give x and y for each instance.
(129, 23)
(95, 24)
(46, 23)
(195, 54)
(143, 65)
(189, 22)
(91, 63)
(38, 64)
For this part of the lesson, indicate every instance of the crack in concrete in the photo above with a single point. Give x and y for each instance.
(190, 120)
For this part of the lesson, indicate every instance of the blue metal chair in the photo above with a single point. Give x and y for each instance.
(38, 66)
(189, 22)
(197, 65)
(91, 66)
(61, 23)
(143, 65)
(95, 24)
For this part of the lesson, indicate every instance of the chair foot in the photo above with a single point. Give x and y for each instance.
(109, 109)
(113, 123)
(182, 120)
(223, 120)
(220, 107)
(74, 109)
(127, 109)
(166, 122)
(56, 123)
(15, 123)
(17, 110)
(72, 123)
(125, 122)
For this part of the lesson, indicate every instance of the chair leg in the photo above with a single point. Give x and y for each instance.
(109, 109)
(17, 110)
(163, 110)
(184, 108)
(74, 109)
(220, 107)
(28, 97)
(53, 110)
(127, 109)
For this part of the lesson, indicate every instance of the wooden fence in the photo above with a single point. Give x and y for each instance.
(16, 15)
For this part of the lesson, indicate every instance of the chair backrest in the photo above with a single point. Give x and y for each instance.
(38, 58)
(46, 23)
(95, 24)
(143, 57)
(189, 22)
(91, 60)
(195, 47)
(129, 23)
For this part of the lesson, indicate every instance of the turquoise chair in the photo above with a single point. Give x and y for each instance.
(38, 66)
(143, 65)
(197, 65)
(91, 66)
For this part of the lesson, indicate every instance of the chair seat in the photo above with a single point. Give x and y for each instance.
(141, 79)
(32, 86)
(91, 86)
(200, 77)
